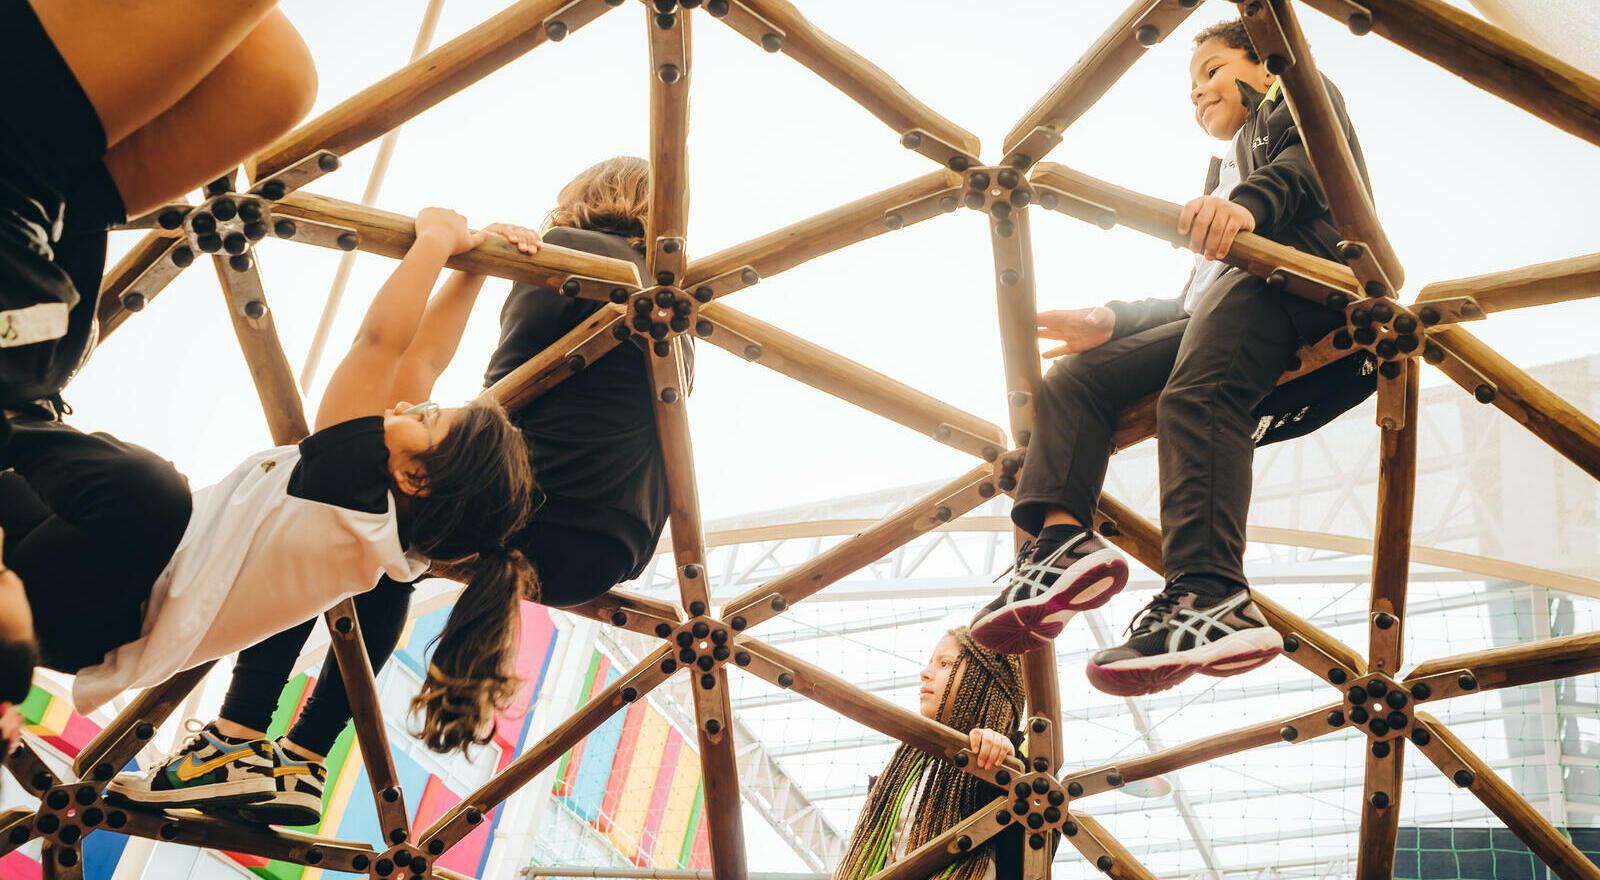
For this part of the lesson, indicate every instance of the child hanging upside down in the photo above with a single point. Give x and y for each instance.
(593, 444)
(916, 798)
(1214, 355)
(381, 487)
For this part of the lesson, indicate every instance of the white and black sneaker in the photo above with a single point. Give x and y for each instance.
(1182, 633)
(297, 793)
(211, 770)
(1052, 582)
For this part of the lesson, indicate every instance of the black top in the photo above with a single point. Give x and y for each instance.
(592, 438)
(346, 465)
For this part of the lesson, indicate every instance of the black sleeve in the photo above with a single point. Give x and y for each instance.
(1143, 314)
(1285, 187)
(346, 465)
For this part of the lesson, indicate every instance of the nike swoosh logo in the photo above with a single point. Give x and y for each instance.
(192, 767)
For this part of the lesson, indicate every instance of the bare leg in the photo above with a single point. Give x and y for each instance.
(256, 93)
(136, 58)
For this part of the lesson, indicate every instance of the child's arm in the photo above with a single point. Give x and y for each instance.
(439, 334)
(361, 384)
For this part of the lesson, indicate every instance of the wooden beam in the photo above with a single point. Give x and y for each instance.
(1016, 296)
(1487, 57)
(668, 223)
(930, 859)
(630, 611)
(1459, 764)
(1513, 665)
(263, 352)
(919, 517)
(344, 635)
(1288, 623)
(1391, 557)
(1135, 535)
(591, 340)
(1307, 725)
(146, 252)
(1111, 55)
(229, 835)
(719, 776)
(849, 381)
(669, 394)
(860, 79)
(1536, 285)
(1097, 201)
(404, 94)
(1123, 864)
(390, 235)
(459, 820)
(1543, 412)
(119, 741)
(1275, 30)
(1380, 813)
(1043, 689)
(822, 233)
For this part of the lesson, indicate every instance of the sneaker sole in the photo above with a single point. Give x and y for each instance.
(1240, 652)
(222, 794)
(279, 810)
(1031, 623)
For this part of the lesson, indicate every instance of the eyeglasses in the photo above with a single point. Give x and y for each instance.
(428, 412)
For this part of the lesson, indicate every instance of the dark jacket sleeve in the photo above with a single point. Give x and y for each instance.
(1284, 188)
(1143, 314)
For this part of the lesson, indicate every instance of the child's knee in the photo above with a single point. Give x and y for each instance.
(280, 74)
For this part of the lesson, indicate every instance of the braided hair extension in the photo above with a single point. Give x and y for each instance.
(984, 690)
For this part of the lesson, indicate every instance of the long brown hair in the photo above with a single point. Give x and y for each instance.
(984, 690)
(610, 196)
(478, 492)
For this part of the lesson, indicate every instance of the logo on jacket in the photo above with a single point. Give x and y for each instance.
(268, 465)
(1260, 141)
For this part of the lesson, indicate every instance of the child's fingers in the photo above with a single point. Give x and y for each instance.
(1201, 227)
(1186, 216)
(1230, 231)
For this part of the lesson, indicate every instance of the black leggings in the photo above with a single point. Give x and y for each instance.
(574, 567)
(90, 521)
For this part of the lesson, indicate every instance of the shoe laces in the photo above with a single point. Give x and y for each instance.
(1157, 611)
(1022, 554)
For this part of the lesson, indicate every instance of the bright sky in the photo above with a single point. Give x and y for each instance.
(1464, 183)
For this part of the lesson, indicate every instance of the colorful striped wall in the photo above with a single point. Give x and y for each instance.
(635, 780)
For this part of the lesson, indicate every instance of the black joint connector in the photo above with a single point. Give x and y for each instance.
(1002, 776)
(1379, 799)
(893, 221)
(785, 679)
(738, 622)
(1041, 765)
(1376, 688)
(1421, 691)
(1147, 35)
(169, 831)
(713, 726)
(435, 847)
(1467, 682)
(669, 666)
(1277, 64)
(1360, 23)
(942, 514)
(772, 42)
(274, 190)
(1288, 733)
(979, 180)
(1396, 699)
(576, 363)
(961, 759)
(779, 603)
(1383, 620)
(700, 629)
(1114, 780)
(963, 843)
(1483, 394)
(144, 730)
(344, 625)
(1336, 718)
(752, 352)
(360, 862)
(1380, 749)
(696, 607)
(668, 73)
(959, 163)
(708, 681)
(328, 162)
(397, 835)
(629, 694)
(347, 241)
(474, 816)
(669, 395)
(1421, 737)
(1337, 675)
(692, 572)
(1464, 777)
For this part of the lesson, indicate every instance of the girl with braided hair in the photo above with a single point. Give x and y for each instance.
(918, 797)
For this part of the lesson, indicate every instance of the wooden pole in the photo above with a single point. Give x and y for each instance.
(929, 859)
(211, 832)
(1512, 665)
(591, 340)
(669, 393)
(1271, 24)
(1097, 201)
(668, 223)
(919, 517)
(1487, 57)
(416, 87)
(146, 252)
(630, 611)
(849, 381)
(860, 79)
(1537, 285)
(459, 820)
(719, 774)
(1111, 55)
(1016, 297)
(1462, 766)
(822, 233)
(263, 352)
(1380, 813)
(1391, 555)
(1552, 419)
(344, 631)
(117, 743)
(390, 235)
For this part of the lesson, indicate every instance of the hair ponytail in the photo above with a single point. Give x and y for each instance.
(477, 492)
(472, 673)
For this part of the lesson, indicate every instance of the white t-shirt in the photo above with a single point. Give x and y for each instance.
(900, 836)
(1207, 272)
(284, 537)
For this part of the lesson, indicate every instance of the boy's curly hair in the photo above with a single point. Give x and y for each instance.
(1232, 34)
